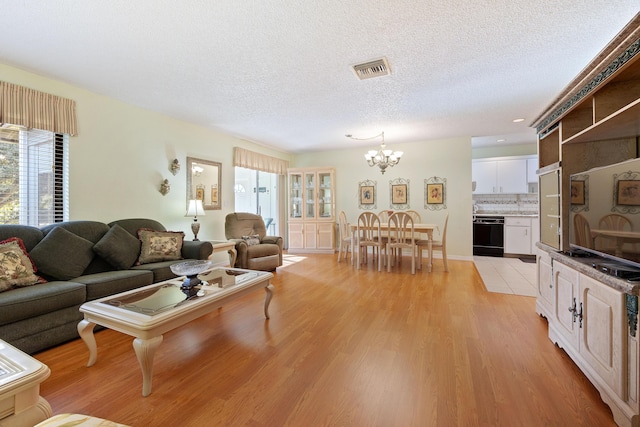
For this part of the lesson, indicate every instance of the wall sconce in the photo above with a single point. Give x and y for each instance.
(165, 187)
(174, 167)
(195, 208)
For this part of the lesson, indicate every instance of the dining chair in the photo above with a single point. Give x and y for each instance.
(345, 245)
(384, 215)
(612, 222)
(438, 245)
(401, 236)
(582, 231)
(368, 235)
(415, 215)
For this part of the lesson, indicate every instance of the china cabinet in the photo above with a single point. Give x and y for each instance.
(311, 210)
(593, 122)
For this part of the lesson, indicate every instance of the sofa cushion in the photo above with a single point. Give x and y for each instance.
(159, 245)
(62, 254)
(104, 284)
(16, 268)
(118, 248)
(24, 303)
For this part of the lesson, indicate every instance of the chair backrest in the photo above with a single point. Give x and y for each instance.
(444, 231)
(401, 229)
(415, 215)
(384, 215)
(615, 222)
(343, 226)
(583, 231)
(368, 228)
(240, 224)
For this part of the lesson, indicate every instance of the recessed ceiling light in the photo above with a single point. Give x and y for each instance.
(501, 140)
(518, 120)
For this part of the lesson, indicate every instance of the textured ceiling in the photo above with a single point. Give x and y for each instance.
(278, 72)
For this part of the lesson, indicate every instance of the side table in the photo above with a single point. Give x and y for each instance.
(20, 378)
(225, 245)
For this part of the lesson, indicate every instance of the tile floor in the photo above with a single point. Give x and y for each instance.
(507, 275)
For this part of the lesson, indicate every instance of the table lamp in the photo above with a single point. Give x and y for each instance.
(195, 209)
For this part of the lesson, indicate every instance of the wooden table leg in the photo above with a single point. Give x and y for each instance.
(430, 246)
(85, 330)
(267, 300)
(233, 254)
(145, 350)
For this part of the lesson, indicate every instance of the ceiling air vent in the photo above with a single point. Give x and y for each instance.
(371, 69)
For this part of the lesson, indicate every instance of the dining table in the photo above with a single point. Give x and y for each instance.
(418, 228)
(620, 236)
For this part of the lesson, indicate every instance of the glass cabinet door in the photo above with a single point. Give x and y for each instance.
(310, 195)
(295, 198)
(325, 198)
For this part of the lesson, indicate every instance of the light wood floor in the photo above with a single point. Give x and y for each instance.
(342, 348)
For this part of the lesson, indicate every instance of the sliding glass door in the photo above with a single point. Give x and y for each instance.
(257, 192)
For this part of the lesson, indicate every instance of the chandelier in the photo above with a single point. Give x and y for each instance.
(382, 158)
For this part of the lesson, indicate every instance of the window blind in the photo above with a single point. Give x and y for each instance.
(33, 176)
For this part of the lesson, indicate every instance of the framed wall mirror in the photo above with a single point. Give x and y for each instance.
(204, 182)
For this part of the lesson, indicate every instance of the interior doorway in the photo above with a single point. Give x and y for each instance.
(257, 192)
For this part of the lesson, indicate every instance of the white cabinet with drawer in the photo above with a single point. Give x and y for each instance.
(517, 235)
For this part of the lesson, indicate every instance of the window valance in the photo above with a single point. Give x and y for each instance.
(256, 161)
(20, 105)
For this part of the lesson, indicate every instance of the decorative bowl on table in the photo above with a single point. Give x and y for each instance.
(191, 269)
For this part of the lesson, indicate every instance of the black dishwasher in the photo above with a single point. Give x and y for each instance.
(488, 235)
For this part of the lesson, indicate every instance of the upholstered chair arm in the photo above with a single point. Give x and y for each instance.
(197, 249)
(242, 257)
(275, 240)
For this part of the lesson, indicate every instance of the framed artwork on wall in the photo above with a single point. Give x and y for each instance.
(367, 195)
(435, 193)
(399, 193)
(626, 192)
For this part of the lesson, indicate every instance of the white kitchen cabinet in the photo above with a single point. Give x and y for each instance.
(517, 235)
(508, 176)
(535, 234)
(311, 210)
(532, 168)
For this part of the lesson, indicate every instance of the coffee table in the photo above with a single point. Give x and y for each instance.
(20, 378)
(147, 313)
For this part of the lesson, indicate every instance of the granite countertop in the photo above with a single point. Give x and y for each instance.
(520, 214)
(585, 266)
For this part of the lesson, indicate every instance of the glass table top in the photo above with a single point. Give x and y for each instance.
(169, 294)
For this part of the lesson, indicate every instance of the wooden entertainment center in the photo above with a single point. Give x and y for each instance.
(594, 122)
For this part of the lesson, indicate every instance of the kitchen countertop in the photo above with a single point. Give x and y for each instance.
(528, 215)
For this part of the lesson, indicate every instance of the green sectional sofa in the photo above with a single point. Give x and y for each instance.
(80, 261)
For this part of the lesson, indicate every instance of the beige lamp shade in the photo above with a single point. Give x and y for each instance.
(195, 208)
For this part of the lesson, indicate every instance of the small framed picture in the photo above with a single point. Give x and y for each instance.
(200, 193)
(399, 194)
(367, 195)
(577, 192)
(435, 193)
(628, 192)
(214, 194)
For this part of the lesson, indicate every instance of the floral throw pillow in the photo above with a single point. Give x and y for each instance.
(159, 245)
(252, 240)
(16, 268)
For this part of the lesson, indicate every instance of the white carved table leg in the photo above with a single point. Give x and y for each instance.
(85, 329)
(430, 246)
(269, 289)
(233, 254)
(145, 349)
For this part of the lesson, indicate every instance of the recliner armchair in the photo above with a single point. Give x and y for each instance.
(256, 250)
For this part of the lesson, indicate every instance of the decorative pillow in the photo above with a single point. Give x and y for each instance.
(159, 245)
(252, 240)
(118, 247)
(16, 268)
(62, 254)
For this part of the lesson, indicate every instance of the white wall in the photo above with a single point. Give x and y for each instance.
(505, 150)
(450, 159)
(122, 153)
